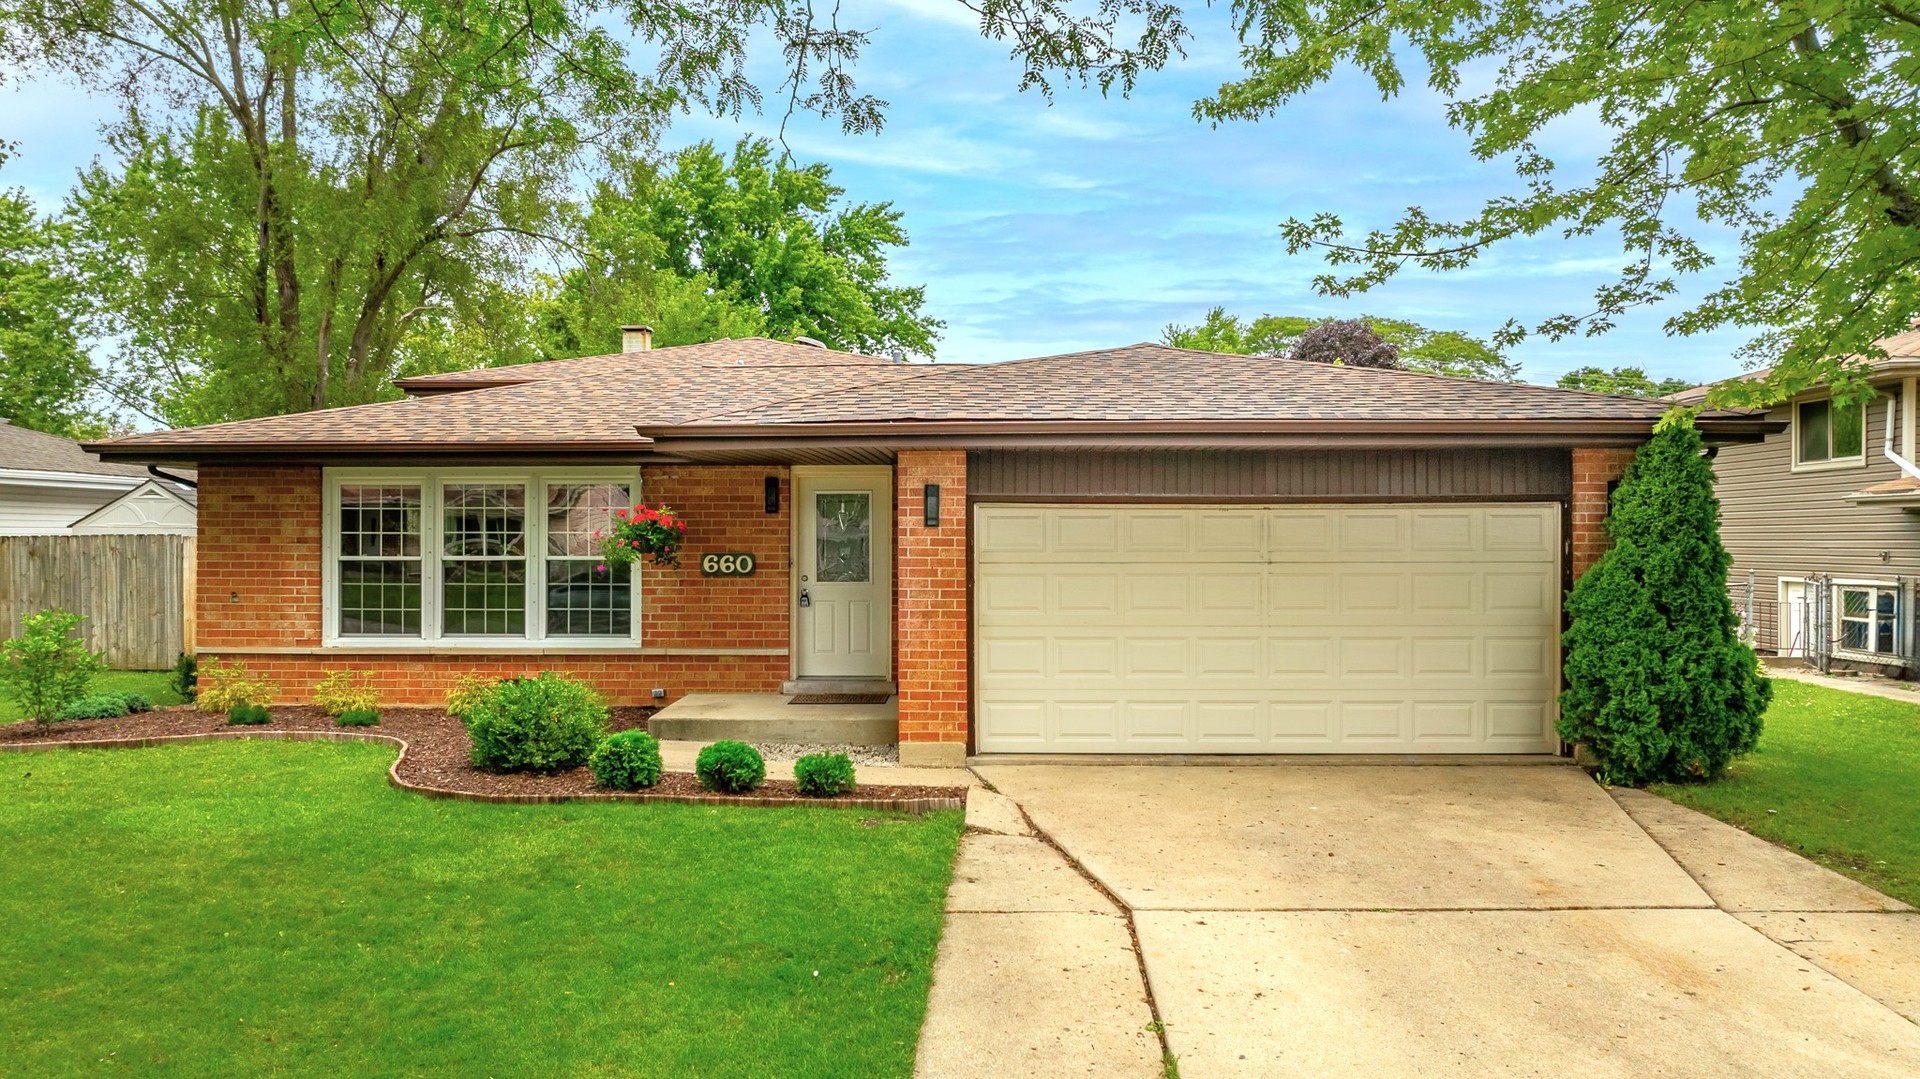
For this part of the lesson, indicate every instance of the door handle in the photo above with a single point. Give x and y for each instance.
(805, 600)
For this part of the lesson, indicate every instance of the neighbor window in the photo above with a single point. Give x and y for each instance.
(506, 557)
(1825, 432)
(1869, 617)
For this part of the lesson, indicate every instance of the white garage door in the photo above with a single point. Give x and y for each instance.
(1266, 629)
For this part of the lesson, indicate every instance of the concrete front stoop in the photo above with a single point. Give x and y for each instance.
(767, 717)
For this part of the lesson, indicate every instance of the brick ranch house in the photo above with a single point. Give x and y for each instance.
(1141, 549)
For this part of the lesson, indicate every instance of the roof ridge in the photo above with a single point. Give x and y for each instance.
(930, 369)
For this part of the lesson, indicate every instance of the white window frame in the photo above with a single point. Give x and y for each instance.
(1856, 461)
(431, 481)
(1840, 587)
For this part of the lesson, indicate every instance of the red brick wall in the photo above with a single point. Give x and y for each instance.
(1593, 470)
(259, 593)
(258, 560)
(931, 594)
(725, 508)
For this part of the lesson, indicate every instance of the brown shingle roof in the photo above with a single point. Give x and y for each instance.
(587, 412)
(732, 352)
(36, 451)
(619, 402)
(1149, 382)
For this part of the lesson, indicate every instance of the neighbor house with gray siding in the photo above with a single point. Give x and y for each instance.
(1823, 522)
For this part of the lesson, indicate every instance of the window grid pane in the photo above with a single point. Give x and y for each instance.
(484, 566)
(582, 599)
(380, 560)
(1847, 433)
(1815, 426)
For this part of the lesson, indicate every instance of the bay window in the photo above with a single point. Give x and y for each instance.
(476, 557)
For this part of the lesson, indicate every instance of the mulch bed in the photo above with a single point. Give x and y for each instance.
(436, 758)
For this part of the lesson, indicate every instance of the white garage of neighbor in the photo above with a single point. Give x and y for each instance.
(1377, 628)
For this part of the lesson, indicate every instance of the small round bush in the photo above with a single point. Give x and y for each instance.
(136, 702)
(627, 761)
(249, 715)
(730, 768)
(823, 775)
(359, 717)
(544, 724)
(93, 706)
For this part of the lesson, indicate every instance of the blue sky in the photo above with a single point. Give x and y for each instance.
(1096, 221)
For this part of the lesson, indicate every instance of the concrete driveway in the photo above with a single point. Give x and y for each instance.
(1302, 920)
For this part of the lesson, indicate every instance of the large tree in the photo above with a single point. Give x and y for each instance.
(775, 235)
(296, 183)
(1795, 128)
(1440, 352)
(1626, 381)
(45, 378)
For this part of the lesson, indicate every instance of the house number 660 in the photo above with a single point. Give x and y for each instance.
(726, 565)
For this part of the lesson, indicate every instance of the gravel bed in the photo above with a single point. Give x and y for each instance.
(881, 756)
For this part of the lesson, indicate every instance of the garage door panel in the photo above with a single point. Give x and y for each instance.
(1268, 629)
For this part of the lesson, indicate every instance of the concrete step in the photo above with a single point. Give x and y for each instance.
(838, 685)
(767, 717)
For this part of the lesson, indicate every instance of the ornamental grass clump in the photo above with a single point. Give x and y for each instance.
(341, 692)
(823, 775)
(1659, 686)
(643, 530)
(545, 724)
(730, 768)
(248, 715)
(48, 666)
(225, 686)
(359, 717)
(627, 761)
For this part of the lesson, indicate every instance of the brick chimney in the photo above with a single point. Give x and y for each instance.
(636, 338)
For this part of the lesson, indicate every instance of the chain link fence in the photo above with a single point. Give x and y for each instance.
(1822, 618)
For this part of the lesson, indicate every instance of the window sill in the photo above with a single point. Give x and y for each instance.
(1830, 466)
(350, 647)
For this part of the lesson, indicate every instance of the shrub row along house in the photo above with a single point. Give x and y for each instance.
(1822, 518)
(1141, 549)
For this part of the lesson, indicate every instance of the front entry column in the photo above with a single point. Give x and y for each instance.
(932, 593)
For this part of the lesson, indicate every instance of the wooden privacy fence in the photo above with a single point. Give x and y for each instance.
(136, 592)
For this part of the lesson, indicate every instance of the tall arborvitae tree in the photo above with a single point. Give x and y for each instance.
(1659, 685)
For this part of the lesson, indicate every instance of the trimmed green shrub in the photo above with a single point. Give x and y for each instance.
(136, 702)
(47, 666)
(185, 679)
(248, 715)
(95, 706)
(730, 767)
(359, 717)
(544, 724)
(626, 761)
(823, 775)
(1659, 686)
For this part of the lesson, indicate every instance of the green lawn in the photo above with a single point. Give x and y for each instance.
(151, 683)
(1837, 778)
(276, 908)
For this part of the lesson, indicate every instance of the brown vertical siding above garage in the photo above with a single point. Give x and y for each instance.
(1272, 475)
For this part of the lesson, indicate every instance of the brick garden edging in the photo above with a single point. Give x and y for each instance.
(896, 805)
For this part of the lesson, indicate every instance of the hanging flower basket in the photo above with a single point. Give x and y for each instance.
(643, 530)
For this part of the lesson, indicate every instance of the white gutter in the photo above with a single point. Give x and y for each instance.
(1906, 466)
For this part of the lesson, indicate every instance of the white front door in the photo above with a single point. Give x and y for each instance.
(843, 572)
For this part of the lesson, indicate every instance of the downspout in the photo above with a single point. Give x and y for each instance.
(1887, 449)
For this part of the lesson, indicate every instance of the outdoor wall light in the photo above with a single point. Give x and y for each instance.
(930, 511)
(773, 494)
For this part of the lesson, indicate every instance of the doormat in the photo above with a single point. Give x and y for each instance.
(841, 698)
